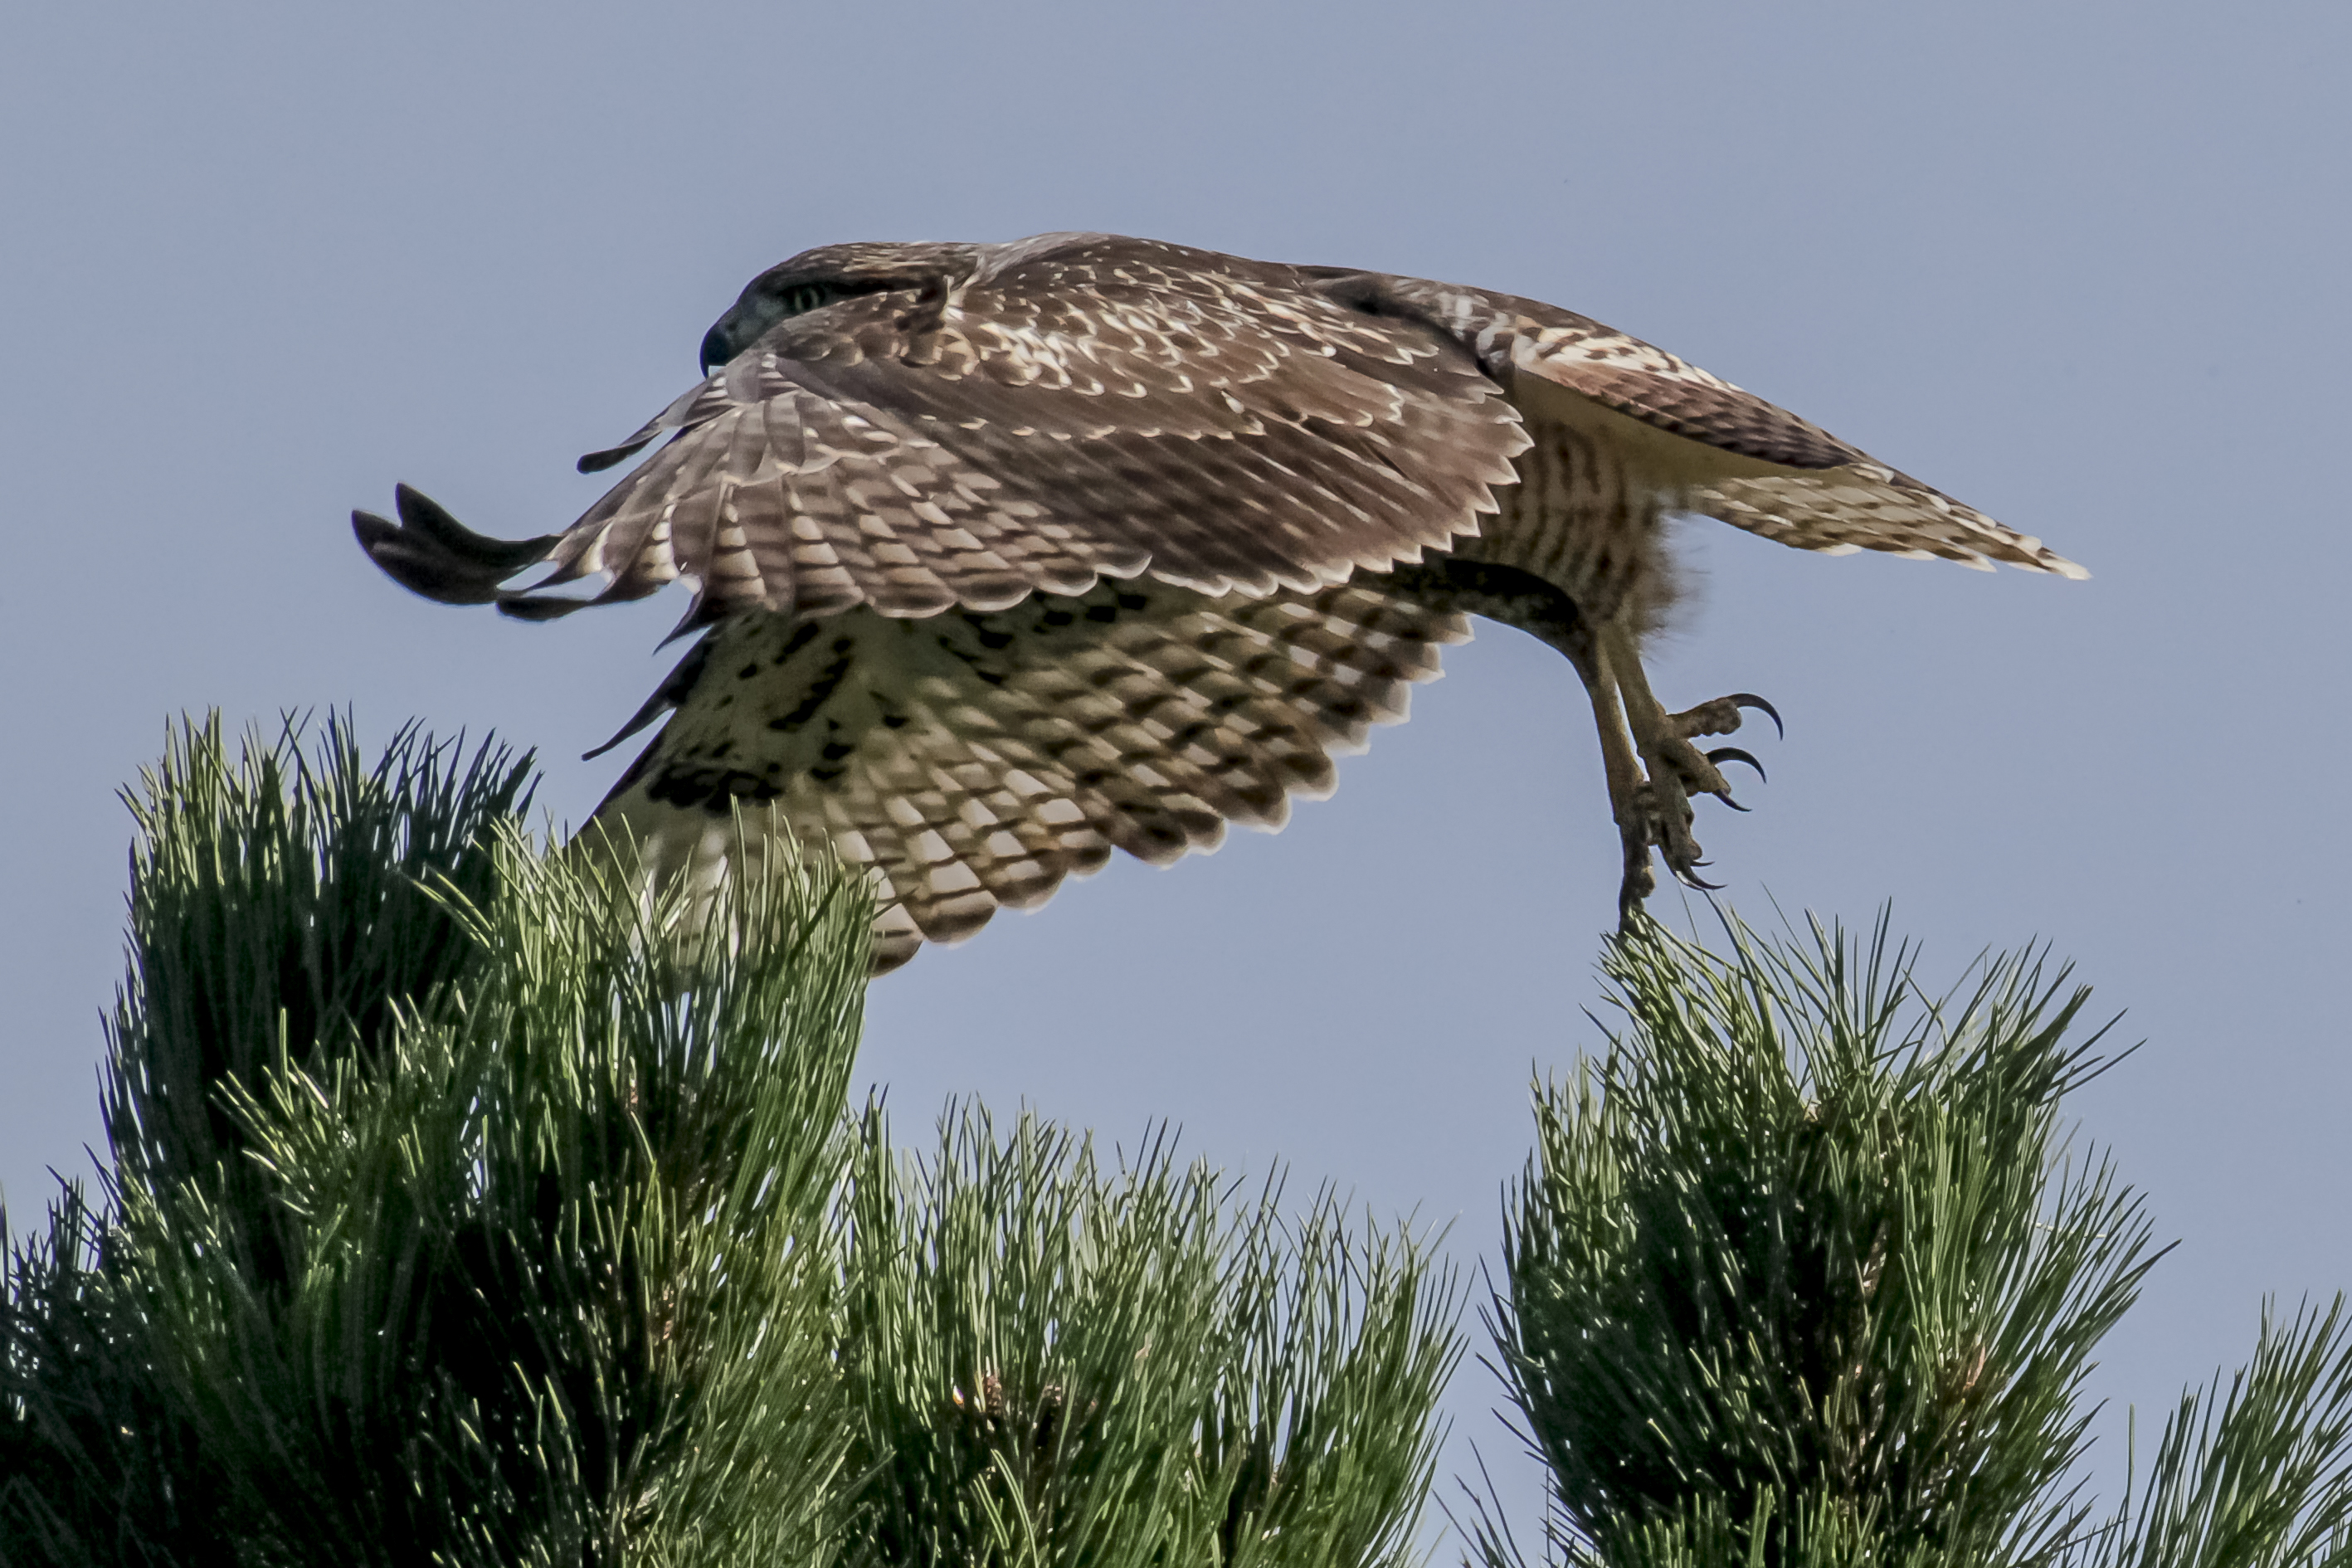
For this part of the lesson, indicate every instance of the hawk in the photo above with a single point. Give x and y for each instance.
(1004, 556)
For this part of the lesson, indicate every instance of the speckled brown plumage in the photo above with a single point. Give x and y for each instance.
(976, 760)
(1011, 554)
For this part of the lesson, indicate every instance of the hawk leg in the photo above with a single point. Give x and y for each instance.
(1631, 800)
(1650, 797)
(1641, 743)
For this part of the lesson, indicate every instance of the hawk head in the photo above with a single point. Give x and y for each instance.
(816, 278)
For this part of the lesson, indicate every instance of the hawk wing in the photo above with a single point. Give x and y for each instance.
(1751, 463)
(1048, 552)
(973, 760)
(1073, 408)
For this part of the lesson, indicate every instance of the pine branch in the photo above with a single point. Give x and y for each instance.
(2265, 1478)
(1797, 1271)
(473, 1207)
(1062, 1364)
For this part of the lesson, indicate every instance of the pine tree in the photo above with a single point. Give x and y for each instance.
(467, 1210)
(467, 1207)
(1802, 1273)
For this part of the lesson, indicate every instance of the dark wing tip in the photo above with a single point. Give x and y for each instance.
(597, 462)
(417, 565)
(429, 518)
(432, 553)
(539, 606)
(371, 531)
(674, 689)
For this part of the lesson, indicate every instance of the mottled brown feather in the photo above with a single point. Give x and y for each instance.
(1093, 407)
(1802, 486)
(975, 761)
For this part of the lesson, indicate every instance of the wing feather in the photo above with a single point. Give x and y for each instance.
(976, 761)
(1752, 463)
(1838, 498)
(1093, 410)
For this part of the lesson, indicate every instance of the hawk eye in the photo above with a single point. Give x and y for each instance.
(759, 310)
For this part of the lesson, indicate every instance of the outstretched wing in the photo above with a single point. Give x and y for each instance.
(1769, 471)
(1081, 407)
(1048, 552)
(975, 760)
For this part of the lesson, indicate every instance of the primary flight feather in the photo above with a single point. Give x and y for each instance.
(1008, 555)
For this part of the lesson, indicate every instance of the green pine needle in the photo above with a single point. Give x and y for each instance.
(1799, 1268)
(1060, 1364)
(472, 1206)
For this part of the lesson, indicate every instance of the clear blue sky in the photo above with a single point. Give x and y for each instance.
(2081, 265)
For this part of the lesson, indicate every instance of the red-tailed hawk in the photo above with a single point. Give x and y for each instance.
(1007, 555)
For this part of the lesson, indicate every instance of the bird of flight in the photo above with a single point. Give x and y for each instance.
(1007, 555)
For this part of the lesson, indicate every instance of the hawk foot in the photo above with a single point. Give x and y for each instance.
(1655, 811)
(1649, 819)
(1721, 717)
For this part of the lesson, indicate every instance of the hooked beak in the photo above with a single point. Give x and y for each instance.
(717, 348)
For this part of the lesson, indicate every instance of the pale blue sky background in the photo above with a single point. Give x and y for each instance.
(2082, 265)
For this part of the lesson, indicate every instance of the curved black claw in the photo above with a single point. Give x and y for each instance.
(1723, 754)
(1690, 880)
(1750, 700)
(1731, 803)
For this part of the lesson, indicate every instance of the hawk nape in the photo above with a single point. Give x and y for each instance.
(1007, 555)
